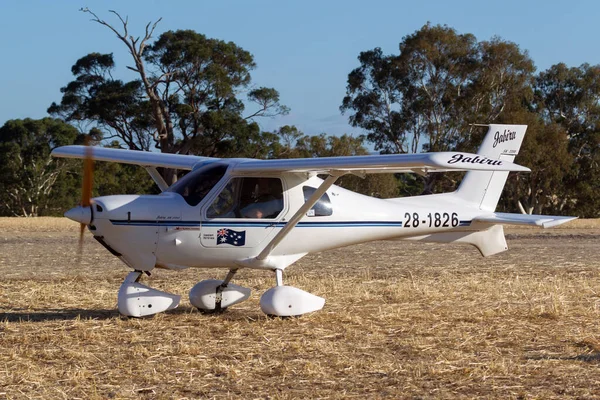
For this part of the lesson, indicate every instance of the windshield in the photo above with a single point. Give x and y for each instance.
(194, 186)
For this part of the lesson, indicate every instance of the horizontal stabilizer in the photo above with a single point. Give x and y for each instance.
(546, 221)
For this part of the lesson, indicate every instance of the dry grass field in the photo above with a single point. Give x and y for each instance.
(402, 320)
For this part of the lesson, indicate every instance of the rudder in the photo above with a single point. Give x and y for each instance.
(502, 142)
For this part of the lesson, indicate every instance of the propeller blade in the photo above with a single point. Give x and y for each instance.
(88, 176)
(86, 186)
(80, 247)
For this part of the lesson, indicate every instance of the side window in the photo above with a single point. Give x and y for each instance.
(248, 198)
(322, 207)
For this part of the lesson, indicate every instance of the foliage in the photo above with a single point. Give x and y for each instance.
(426, 96)
(33, 183)
(27, 170)
(108, 179)
(185, 101)
(292, 143)
(570, 98)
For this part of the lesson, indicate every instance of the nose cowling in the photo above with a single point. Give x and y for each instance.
(80, 214)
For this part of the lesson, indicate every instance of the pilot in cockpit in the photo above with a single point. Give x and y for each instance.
(265, 201)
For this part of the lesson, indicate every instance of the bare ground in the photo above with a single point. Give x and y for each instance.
(402, 320)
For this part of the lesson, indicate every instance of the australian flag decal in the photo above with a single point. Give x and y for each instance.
(229, 236)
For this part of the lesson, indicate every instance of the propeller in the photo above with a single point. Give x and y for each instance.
(86, 186)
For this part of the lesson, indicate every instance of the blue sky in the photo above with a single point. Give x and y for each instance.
(305, 49)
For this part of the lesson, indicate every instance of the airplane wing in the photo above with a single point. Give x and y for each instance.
(143, 158)
(418, 163)
(545, 221)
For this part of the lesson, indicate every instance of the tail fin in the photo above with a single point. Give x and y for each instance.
(502, 142)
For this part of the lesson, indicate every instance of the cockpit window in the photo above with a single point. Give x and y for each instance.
(322, 207)
(248, 198)
(194, 186)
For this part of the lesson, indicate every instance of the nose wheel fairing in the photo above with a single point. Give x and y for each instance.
(137, 300)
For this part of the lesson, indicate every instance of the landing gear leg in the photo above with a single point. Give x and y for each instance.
(137, 300)
(288, 301)
(219, 292)
(278, 277)
(214, 295)
(229, 277)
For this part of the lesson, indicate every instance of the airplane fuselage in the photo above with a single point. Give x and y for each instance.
(164, 231)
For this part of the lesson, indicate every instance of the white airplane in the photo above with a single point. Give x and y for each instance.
(267, 214)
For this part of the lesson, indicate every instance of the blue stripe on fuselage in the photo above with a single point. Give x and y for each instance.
(259, 224)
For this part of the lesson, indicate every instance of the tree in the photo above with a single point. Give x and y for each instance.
(185, 100)
(297, 145)
(28, 172)
(426, 97)
(570, 98)
(118, 109)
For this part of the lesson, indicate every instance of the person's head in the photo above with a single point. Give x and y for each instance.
(261, 187)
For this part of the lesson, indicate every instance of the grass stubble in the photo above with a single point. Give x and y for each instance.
(402, 320)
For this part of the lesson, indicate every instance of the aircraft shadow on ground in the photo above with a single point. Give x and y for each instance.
(66, 314)
(592, 357)
(42, 315)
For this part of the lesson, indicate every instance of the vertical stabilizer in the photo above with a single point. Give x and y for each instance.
(502, 142)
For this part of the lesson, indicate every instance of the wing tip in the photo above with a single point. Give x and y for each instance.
(557, 221)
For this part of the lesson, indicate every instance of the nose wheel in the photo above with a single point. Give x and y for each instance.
(138, 300)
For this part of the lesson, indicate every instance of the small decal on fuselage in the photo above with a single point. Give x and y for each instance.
(168, 217)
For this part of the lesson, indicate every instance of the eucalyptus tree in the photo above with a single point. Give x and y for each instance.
(292, 143)
(28, 173)
(186, 98)
(570, 97)
(427, 96)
